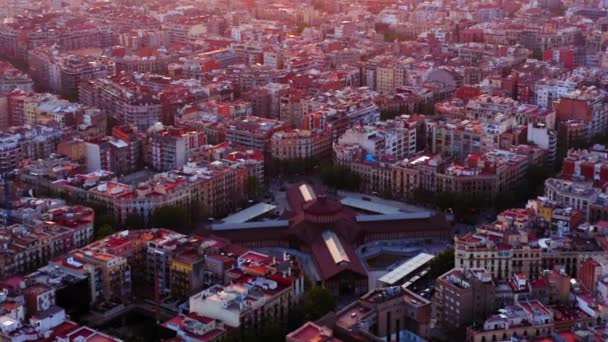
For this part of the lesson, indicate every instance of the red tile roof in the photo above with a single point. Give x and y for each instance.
(328, 268)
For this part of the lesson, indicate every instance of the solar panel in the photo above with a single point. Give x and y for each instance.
(334, 245)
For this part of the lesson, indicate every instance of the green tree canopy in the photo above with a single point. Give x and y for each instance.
(134, 221)
(442, 263)
(317, 302)
(253, 187)
(340, 177)
(171, 217)
(103, 231)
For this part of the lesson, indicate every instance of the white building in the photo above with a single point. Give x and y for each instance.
(577, 195)
(543, 137)
(547, 91)
(251, 299)
(533, 312)
(383, 138)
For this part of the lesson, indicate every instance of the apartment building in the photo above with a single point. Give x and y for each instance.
(547, 91)
(251, 160)
(144, 60)
(253, 132)
(384, 74)
(376, 173)
(383, 138)
(15, 110)
(458, 138)
(256, 293)
(290, 144)
(122, 99)
(109, 275)
(197, 328)
(132, 136)
(525, 319)
(26, 33)
(12, 78)
(213, 189)
(30, 311)
(586, 104)
(108, 153)
(49, 109)
(477, 250)
(338, 110)
(542, 136)
(587, 165)
(24, 142)
(463, 296)
(169, 148)
(573, 133)
(61, 72)
(385, 312)
(187, 274)
(45, 234)
(504, 254)
(577, 195)
(486, 107)
(247, 77)
(484, 175)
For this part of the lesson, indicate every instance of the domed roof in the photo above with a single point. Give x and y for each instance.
(322, 206)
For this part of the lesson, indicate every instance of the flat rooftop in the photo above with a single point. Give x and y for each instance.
(394, 217)
(251, 225)
(250, 213)
(374, 207)
(350, 317)
(406, 268)
(400, 206)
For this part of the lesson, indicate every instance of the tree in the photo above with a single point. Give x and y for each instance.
(441, 263)
(423, 196)
(446, 200)
(387, 193)
(317, 302)
(290, 167)
(428, 108)
(537, 175)
(134, 220)
(505, 200)
(198, 211)
(171, 217)
(270, 330)
(295, 317)
(102, 216)
(388, 114)
(352, 180)
(103, 231)
(104, 219)
(340, 177)
(253, 187)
